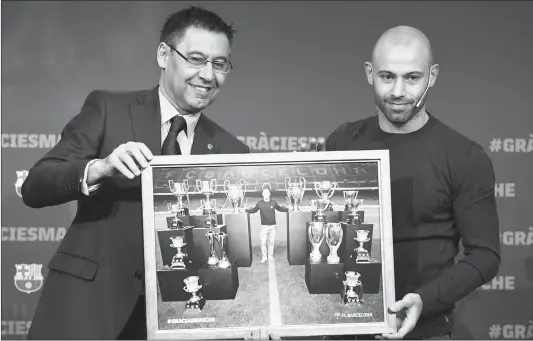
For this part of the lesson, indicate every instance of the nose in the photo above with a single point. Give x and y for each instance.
(397, 88)
(206, 73)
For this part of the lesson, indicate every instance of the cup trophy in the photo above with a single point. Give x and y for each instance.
(295, 192)
(207, 188)
(333, 239)
(211, 236)
(353, 288)
(362, 255)
(176, 222)
(210, 222)
(178, 261)
(235, 193)
(224, 262)
(352, 203)
(319, 206)
(196, 302)
(180, 189)
(316, 236)
(325, 190)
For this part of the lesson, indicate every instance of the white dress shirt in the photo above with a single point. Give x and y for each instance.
(168, 111)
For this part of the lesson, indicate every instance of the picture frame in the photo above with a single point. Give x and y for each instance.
(328, 271)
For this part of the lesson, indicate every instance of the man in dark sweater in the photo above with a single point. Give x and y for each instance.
(266, 208)
(442, 187)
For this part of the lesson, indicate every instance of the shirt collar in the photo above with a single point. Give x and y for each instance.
(168, 111)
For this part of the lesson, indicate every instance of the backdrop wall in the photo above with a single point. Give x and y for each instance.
(299, 72)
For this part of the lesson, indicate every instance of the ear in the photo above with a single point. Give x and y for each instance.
(433, 74)
(369, 73)
(163, 52)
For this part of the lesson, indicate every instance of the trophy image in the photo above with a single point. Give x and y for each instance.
(235, 193)
(178, 260)
(352, 203)
(353, 288)
(325, 190)
(319, 206)
(207, 188)
(176, 222)
(295, 192)
(333, 239)
(196, 302)
(316, 236)
(211, 236)
(180, 189)
(221, 238)
(210, 222)
(362, 255)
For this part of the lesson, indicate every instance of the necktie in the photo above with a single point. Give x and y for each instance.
(170, 145)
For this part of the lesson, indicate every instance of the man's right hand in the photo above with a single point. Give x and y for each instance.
(314, 145)
(128, 160)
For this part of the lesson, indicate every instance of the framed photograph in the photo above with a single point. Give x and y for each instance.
(297, 244)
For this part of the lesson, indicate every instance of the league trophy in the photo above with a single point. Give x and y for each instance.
(353, 288)
(325, 190)
(319, 206)
(196, 302)
(316, 236)
(333, 239)
(295, 192)
(352, 203)
(180, 189)
(362, 255)
(176, 222)
(207, 188)
(224, 262)
(211, 236)
(178, 261)
(235, 193)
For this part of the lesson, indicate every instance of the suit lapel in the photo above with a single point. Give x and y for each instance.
(146, 120)
(203, 142)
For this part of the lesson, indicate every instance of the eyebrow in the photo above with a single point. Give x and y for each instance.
(412, 73)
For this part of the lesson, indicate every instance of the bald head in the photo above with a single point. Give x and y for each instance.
(403, 42)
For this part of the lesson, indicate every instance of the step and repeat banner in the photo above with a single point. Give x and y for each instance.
(298, 72)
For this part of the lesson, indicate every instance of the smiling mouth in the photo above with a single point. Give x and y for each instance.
(200, 88)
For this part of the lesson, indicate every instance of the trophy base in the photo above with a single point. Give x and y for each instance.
(212, 261)
(195, 306)
(323, 278)
(224, 264)
(329, 216)
(370, 274)
(360, 216)
(168, 280)
(177, 265)
(360, 257)
(185, 221)
(351, 300)
(315, 257)
(198, 221)
(333, 259)
(218, 283)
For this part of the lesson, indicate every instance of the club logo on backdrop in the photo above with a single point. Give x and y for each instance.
(21, 176)
(28, 277)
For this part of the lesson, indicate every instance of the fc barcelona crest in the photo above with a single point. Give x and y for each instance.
(28, 278)
(21, 176)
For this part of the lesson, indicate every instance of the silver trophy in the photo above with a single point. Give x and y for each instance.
(352, 204)
(362, 255)
(325, 190)
(235, 193)
(196, 302)
(353, 288)
(295, 192)
(180, 189)
(178, 261)
(224, 262)
(319, 206)
(211, 236)
(176, 222)
(333, 239)
(316, 236)
(210, 222)
(207, 188)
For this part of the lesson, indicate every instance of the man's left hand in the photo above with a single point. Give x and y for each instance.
(407, 313)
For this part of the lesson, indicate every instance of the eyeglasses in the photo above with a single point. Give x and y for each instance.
(199, 63)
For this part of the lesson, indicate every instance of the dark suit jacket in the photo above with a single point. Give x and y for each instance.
(96, 275)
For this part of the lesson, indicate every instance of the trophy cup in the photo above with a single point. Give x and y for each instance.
(325, 190)
(319, 206)
(178, 260)
(207, 188)
(211, 236)
(352, 203)
(353, 288)
(362, 255)
(235, 193)
(295, 192)
(210, 222)
(176, 222)
(316, 236)
(196, 302)
(221, 238)
(179, 189)
(333, 239)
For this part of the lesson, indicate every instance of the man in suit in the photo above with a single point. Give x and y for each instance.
(94, 289)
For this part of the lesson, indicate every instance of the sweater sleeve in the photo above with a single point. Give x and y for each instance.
(281, 208)
(474, 209)
(253, 209)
